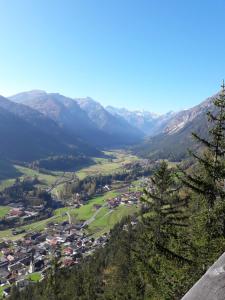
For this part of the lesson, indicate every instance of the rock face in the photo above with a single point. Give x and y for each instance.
(212, 285)
(178, 131)
(185, 117)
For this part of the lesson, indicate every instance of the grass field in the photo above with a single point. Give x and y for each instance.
(103, 222)
(108, 166)
(4, 210)
(104, 219)
(86, 211)
(38, 226)
(83, 213)
(107, 219)
(103, 166)
(6, 183)
(2, 288)
(46, 180)
(34, 277)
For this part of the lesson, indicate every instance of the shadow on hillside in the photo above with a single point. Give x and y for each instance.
(7, 170)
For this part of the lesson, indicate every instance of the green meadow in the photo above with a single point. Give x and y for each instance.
(108, 165)
(4, 210)
(104, 219)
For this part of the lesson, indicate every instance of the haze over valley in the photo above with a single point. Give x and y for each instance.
(57, 125)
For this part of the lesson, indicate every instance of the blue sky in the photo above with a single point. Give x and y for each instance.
(157, 55)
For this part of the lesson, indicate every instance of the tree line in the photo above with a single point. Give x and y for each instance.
(91, 185)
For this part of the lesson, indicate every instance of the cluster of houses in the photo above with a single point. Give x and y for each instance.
(34, 253)
(126, 198)
(23, 214)
(78, 199)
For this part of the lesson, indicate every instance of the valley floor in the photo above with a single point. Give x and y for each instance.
(95, 218)
(116, 161)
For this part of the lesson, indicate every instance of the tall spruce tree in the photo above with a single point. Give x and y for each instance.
(205, 181)
(209, 178)
(165, 205)
(166, 222)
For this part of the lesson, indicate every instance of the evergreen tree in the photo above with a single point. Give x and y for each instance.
(166, 221)
(165, 206)
(209, 178)
(206, 182)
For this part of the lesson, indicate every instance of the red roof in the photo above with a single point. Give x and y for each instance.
(68, 250)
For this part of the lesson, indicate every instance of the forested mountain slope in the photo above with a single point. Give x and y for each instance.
(113, 125)
(22, 141)
(30, 115)
(27, 134)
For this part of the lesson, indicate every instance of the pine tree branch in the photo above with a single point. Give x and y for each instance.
(202, 160)
(203, 141)
(211, 116)
(172, 254)
(177, 224)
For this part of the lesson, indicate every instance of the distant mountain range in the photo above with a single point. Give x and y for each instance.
(148, 123)
(83, 118)
(113, 125)
(176, 137)
(36, 124)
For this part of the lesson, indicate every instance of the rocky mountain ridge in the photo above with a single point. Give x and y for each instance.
(176, 137)
(87, 121)
(84, 118)
(182, 118)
